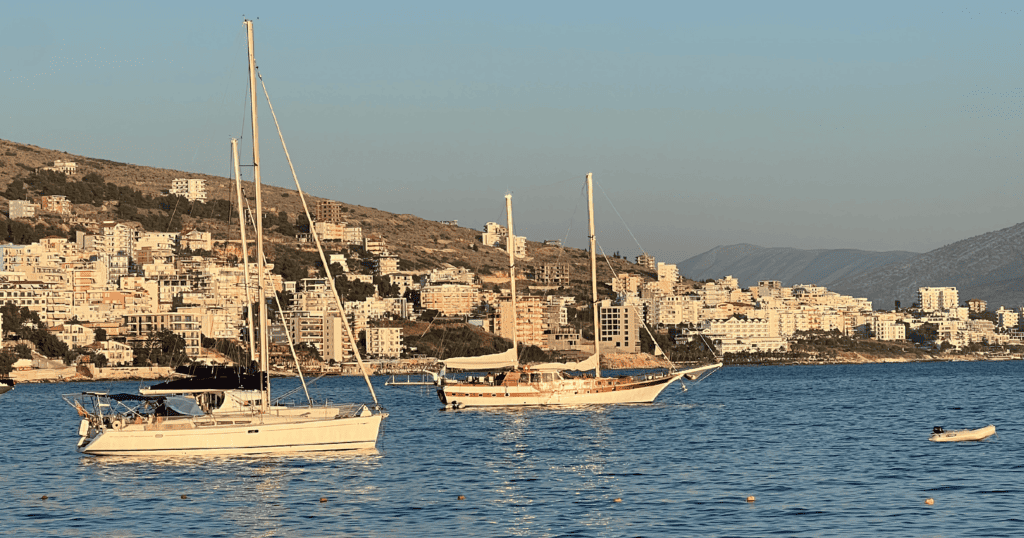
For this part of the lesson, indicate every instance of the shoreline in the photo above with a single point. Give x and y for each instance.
(88, 373)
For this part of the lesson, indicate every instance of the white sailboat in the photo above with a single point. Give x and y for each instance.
(551, 383)
(225, 421)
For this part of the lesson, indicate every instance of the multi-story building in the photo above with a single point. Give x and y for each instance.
(496, 235)
(55, 204)
(890, 331)
(139, 327)
(450, 299)
(375, 244)
(936, 299)
(22, 209)
(620, 327)
(977, 306)
(627, 284)
(550, 273)
(64, 167)
(385, 264)
(329, 211)
(1007, 319)
(531, 320)
(197, 240)
(384, 342)
(192, 189)
(646, 261)
(736, 335)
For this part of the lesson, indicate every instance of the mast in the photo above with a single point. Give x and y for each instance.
(510, 246)
(261, 294)
(593, 274)
(245, 249)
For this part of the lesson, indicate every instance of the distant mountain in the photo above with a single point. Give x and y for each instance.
(988, 266)
(751, 263)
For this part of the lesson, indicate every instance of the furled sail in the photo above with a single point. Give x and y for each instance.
(589, 363)
(494, 361)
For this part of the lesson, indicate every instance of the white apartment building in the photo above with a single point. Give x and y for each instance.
(627, 284)
(22, 209)
(496, 235)
(646, 261)
(192, 189)
(385, 264)
(736, 335)
(1007, 319)
(936, 299)
(890, 331)
(384, 342)
(669, 273)
(450, 299)
(140, 326)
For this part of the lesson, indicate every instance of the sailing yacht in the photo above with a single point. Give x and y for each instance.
(551, 383)
(225, 420)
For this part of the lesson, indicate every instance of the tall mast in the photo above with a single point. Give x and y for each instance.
(593, 274)
(510, 246)
(261, 294)
(245, 249)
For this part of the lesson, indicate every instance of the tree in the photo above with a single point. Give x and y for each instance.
(100, 360)
(100, 335)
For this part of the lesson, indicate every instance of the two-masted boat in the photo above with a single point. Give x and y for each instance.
(515, 384)
(200, 419)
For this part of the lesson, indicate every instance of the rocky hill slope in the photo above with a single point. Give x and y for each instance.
(420, 244)
(988, 266)
(751, 263)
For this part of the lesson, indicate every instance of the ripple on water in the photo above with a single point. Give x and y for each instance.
(838, 451)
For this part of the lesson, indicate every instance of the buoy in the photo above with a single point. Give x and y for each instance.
(184, 496)
(461, 497)
(618, 499)
(751, 499)
(323, 499)
(44, 497)
(929, 500)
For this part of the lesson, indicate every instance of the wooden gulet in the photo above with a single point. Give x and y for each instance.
(551, 383)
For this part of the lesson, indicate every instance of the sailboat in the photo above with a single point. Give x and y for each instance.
(225, 420)
(551, 383)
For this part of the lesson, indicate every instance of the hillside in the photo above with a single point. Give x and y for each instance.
(988, 266)
(420, 244)
(751, 263)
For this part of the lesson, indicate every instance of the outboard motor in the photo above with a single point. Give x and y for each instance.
(937, 430)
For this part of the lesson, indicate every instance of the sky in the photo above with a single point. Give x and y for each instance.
(875, 126)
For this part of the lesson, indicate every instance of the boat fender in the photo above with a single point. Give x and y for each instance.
(118, 424)
(938, 429)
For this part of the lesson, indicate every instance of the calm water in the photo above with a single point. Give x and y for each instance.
(827, 451)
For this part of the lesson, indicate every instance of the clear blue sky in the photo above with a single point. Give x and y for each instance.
(882, 126)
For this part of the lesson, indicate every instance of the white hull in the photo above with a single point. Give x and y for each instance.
(5, 387)
(964, 435)
(186, 436)
(559, 391)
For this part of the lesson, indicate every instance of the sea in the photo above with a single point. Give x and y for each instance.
(838, 450)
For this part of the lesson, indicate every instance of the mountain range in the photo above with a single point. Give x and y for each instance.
(988, 266)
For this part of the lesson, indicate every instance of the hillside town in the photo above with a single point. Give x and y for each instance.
(116, 295)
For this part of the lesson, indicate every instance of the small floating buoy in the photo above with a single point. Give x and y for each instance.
(461, 497)
(751, 499)
(929, 500)
(618, 499)
(44, 497)
(323, 499)
(184, 496)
